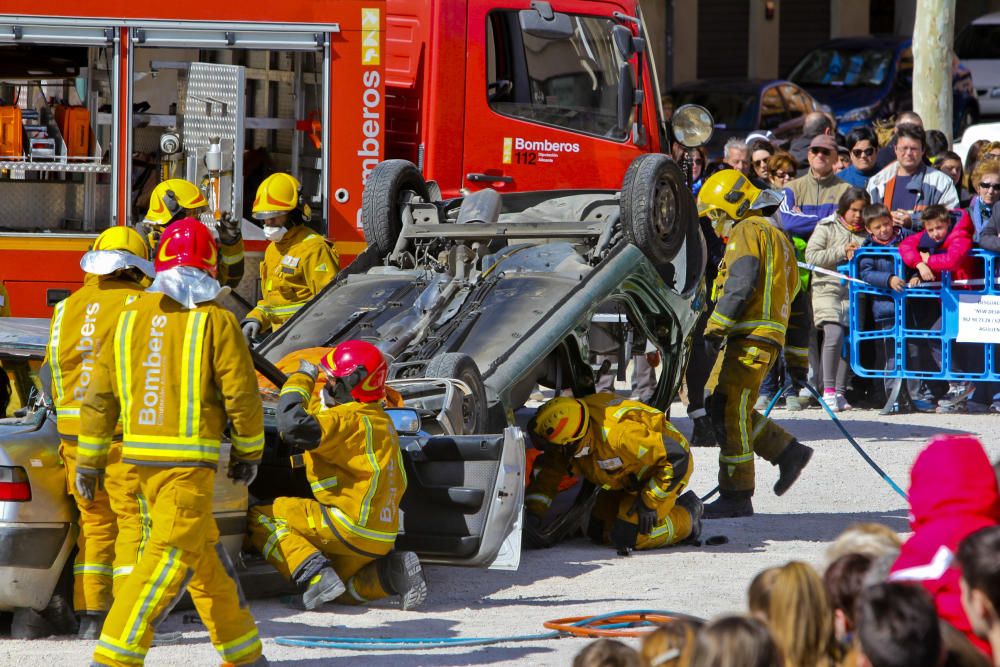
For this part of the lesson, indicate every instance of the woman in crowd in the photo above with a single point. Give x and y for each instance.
(699, 158)
(781, 168)
(949, 163)
(736, 641)
(863, 146)
(985, 182)
(761, 151)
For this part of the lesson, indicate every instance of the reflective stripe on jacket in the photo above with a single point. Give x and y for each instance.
(81, 323)
(175, 376)
(294, 270)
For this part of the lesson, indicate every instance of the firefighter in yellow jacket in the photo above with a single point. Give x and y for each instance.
(176, 198)
(758, 311)
(633, 453)
(176, 371)
(297, 264)
(81, 325)
(338, 546)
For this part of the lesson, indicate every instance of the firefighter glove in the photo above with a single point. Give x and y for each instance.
(713, 344)
(242, 472)
(229, 229)
(89, 482)
(646, 516)
(308, 368)
(623, 536)
(251, 330)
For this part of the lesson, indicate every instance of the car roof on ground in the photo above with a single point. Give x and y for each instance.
(23, 337)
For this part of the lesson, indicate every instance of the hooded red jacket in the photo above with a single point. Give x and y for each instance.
(953, 493)
(954, 255)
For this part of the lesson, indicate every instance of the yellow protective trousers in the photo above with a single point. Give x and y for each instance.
(292, 530)
(673, 522)
(183, 552)
(741, 430)
(111, 531)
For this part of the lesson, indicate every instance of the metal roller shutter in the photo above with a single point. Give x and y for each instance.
(723, 38)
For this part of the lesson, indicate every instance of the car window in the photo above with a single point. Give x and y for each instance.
(772, 109)
(567, 82)
(978, 42)
(797, 100)
(731, 110)
(843, 67)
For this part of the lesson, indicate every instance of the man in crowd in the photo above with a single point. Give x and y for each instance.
(979, 559)
(816, 123)
(814, 196)
(908, 186)
(737, 155)
(887, 154)
(897, 626)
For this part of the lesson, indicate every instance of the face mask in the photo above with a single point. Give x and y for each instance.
(274, 234)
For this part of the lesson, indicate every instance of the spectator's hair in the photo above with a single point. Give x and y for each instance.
(936, 212)
(911, 131)
(844, 581)
(897, 626)
(734, 143)
(607, 653)
(782, 161)
(871, 213)
(851, 195)
(983, 168)
(736, 641)
(944, 156)
(937, 142)
(714, 166)
(881, 569)
(800, 617)
(972, 157)
(759, 145)
(979, 557)
(873, 539)
(759, 593)
(670, 645)
(861, 133)
(816, 123)
(909, 118)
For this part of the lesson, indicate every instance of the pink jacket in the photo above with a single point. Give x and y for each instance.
(955, 257)
(953, 493)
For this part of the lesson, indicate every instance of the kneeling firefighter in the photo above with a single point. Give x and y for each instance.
(759, 309)
(339, 545)
(631, 451)
(297, 264)
(176, 198)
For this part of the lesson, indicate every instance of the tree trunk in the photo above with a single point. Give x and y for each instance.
(933, 36)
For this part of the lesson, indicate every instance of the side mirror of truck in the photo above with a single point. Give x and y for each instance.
(626, 96)
(541, 22)
(624, 41)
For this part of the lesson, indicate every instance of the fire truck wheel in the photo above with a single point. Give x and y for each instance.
(458, 366)
(391, 185)
(656, 207)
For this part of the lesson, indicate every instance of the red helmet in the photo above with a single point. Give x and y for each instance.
(359, 368)
(187, 242)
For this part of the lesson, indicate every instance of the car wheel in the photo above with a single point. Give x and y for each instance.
(656, 206)
(390, 185)
(458, 366)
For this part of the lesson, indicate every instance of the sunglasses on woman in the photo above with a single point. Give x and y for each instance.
(995, 187)
(862, 152)
(784, 174)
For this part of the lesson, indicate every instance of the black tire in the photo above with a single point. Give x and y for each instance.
(458, 366)
(656, 206)
(390, 184)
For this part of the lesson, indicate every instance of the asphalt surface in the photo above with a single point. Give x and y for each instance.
(578, 578)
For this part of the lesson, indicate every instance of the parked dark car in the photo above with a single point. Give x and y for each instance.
(867, 79)
(740, 106)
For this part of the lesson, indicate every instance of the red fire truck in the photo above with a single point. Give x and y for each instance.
(101, 100)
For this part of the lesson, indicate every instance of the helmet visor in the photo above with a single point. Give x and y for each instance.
(268, 215)
(106, 262)
(767, 198)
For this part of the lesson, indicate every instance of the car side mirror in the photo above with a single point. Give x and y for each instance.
(624, 41)
(405, 420)
(626, 95)
(541, 22)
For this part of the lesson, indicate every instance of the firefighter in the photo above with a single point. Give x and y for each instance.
(758, 311)
(338, 544)
(632, 452)
(297, 264)
(107, 547)
(176, 372)
(174, 199)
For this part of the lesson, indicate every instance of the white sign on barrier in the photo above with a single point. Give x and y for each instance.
(978, 319)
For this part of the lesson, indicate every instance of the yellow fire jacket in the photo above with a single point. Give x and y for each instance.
(757, 290)
(353, 462)
(81, 323)
(174, 376)
(231, 263)
(294, 270)
(631, 447)
(4, 302)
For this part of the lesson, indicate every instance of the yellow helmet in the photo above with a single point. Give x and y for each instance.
(279, 193)
(171, 199)
(562, 421)
(122, 238)
(728, 196)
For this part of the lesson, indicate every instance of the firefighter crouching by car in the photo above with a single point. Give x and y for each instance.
(758, 311)
(175, 371)
(338, 546)
(82, 325)
(175, 199)
(298, 262)
(631, 451)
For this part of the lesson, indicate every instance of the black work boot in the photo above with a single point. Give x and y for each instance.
(90, 626)
(401, 573)
(702, 432)
(730, 505)
(324, 586)
(692, 503)
(790, 465)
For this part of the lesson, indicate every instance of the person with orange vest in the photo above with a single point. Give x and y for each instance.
(176, 374)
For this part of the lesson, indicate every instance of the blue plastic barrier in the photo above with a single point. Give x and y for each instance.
(978, 361)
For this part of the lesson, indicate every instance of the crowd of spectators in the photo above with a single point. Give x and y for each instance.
(932, 600)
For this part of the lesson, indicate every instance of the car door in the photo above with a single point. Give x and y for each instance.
(773, 113)
(799, 104)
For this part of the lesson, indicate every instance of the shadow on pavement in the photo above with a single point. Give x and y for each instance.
(865, 425)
